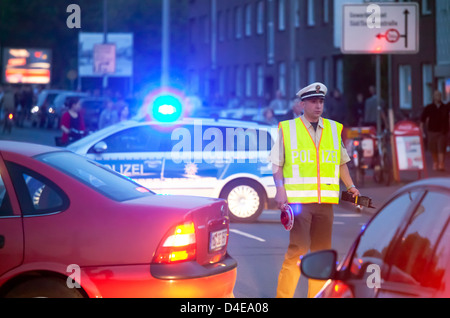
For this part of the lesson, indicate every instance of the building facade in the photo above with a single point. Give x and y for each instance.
(442, 68)
(250, 49)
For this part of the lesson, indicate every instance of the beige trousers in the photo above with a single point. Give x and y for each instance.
(312, 231)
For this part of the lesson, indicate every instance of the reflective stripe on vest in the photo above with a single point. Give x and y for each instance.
(306, 179)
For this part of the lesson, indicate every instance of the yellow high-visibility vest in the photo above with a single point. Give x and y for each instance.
(311, 174)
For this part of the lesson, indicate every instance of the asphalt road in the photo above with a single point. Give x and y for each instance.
(259, 249)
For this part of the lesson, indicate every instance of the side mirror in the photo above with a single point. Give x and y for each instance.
(100, 147)
(319, 265)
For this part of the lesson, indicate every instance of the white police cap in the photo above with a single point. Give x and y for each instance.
(313, 90)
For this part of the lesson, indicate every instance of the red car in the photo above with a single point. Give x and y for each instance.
(72, 228)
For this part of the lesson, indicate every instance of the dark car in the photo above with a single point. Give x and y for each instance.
(404, 251)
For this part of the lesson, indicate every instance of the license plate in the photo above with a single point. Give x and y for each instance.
(217, 240)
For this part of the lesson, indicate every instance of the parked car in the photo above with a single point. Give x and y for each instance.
(44, 106)
(70, 227)
(404, 251)
(205, 157)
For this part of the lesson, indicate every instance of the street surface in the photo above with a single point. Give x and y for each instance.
(259, 247)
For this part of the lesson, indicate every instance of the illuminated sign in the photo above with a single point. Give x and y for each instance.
(28, 66)
(104, 58)
(380, 28)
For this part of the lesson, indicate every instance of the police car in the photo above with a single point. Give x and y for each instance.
(218, 158)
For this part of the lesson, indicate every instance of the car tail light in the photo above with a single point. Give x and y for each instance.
(178, 245)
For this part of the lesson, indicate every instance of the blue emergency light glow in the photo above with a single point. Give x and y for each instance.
(167, 108)
(164, 105)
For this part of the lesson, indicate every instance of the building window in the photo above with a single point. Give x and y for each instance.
(311, 11)
(192, 32)
(238, 23)
(282, 77)
(193, 82)
(297, 13)
(248, 81)
(427, 83)
(426, 7)
(206, 86)
(221, 82)
(248, 20)
(281, 15)
(260, 18)
(311, 67)
(221, 26)
(297, 75)
(229, 24)
(326, 71)
(204, 32)
(270, 33)
(405, 86)
(238, 82)
(339, 71)
(260, 81)
(326, 11)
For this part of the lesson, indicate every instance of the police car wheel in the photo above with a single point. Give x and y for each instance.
(245, 201)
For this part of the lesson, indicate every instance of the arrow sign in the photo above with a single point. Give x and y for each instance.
(394, 21)
(406, 12)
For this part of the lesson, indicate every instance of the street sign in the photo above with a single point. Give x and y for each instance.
(380, 28)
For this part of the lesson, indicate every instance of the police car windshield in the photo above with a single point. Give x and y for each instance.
(103, 180)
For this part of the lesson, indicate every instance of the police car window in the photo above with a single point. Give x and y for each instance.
(414, 260)
(101, 179)
(5, 203)
(135, 139)
(378, 236)
(237, 138)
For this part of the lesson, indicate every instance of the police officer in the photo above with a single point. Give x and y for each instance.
(308, 159)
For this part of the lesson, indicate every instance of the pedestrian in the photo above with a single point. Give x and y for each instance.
(108, 116)
(335, 107)
(308, 159)
(434, 121)
(124, 113)
(371, 107)
(72, 122)
(8, 108)
(279, 102)
(269, 117)
(357, 111)
(296, 109)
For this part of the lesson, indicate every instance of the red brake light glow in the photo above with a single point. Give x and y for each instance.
(178, 245)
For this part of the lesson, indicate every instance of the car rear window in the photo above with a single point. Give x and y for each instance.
(100, 178)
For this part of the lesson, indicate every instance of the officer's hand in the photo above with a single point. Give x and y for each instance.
(354, 192)
(281, 197)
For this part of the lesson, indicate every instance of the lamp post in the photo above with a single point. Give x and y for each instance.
(165, 45)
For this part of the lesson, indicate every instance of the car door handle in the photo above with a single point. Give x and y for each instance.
(2, 241)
